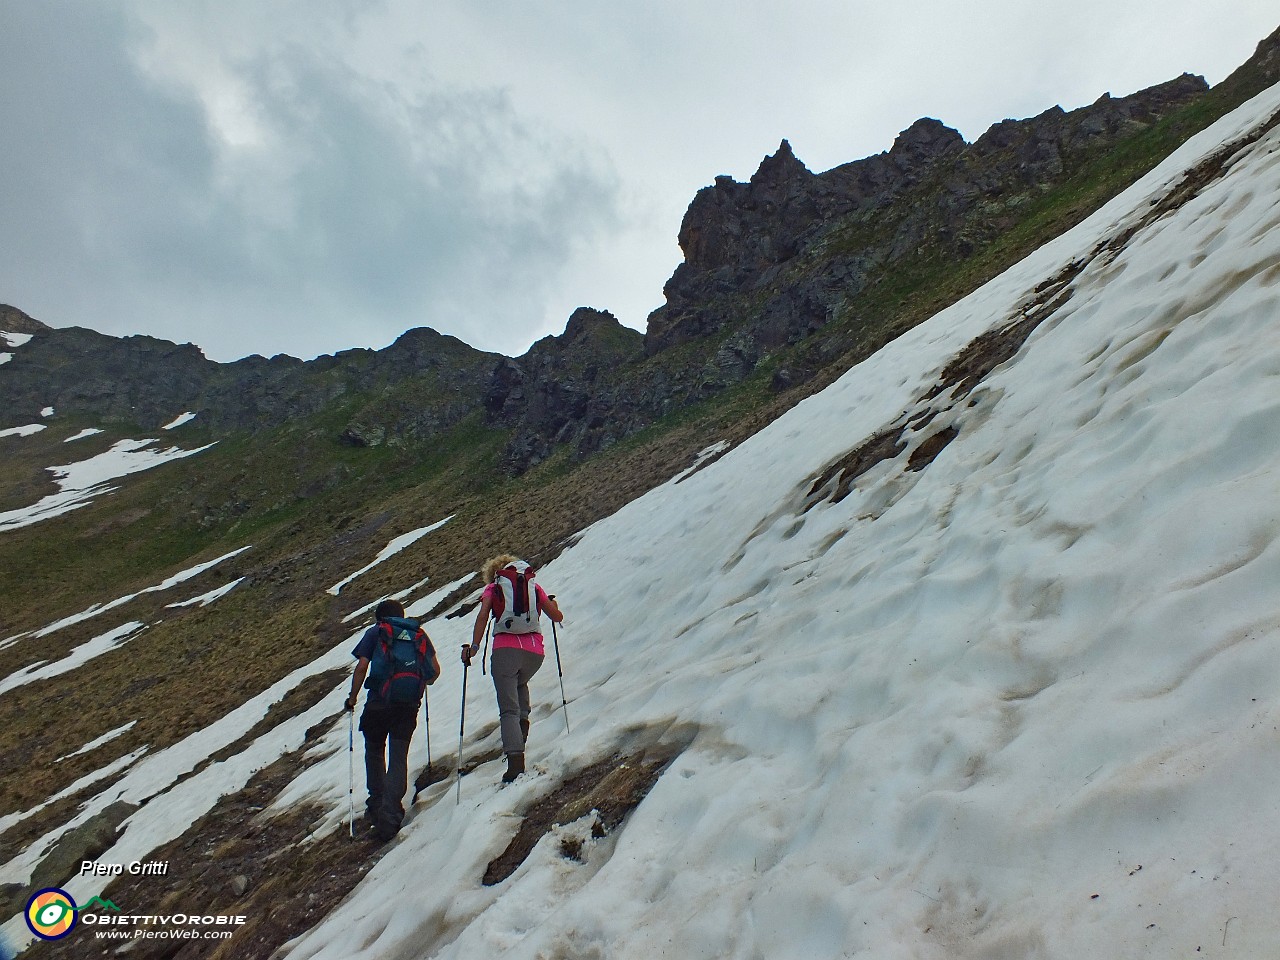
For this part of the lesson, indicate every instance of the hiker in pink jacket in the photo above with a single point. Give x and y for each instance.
(515, 602)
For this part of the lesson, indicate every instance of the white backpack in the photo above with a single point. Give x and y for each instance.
(519, 612)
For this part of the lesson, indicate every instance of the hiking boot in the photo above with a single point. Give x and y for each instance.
(524, 729)
(386, 827)
(515, 767)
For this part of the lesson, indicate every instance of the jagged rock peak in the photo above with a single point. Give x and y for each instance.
(417, 340)
(780, 167)
(1262, 69)
(926, 139)
(1267, 53)
(586, 320)
(13, 320)
(586, 326)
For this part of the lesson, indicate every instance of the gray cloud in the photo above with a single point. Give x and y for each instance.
(367, 208)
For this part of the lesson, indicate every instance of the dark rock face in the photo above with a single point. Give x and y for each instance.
(148, 382)
(557, 393)
(78, 371)
(741, 238)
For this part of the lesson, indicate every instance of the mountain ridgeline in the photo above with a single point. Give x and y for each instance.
(786, 280)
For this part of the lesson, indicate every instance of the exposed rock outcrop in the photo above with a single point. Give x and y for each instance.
(559, 392)
(13, 320)
(804, 244)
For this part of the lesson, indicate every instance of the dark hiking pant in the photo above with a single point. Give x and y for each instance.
(512, 669)
(387, 731)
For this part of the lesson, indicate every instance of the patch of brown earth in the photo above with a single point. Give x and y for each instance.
(609, 788)
(236, 861)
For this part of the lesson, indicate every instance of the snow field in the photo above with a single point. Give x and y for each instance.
(96, 647)
(179, 421)
(83, 434)
(1015, 705)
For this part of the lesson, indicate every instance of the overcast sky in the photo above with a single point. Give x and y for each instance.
(305, 176)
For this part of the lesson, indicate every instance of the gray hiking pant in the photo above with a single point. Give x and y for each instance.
(387, 732)
(511, 670)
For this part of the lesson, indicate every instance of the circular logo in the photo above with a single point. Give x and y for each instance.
(51, 913)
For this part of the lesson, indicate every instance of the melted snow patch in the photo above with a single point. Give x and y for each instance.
(420, 608)
(704, 455)
(24, 431)
(390, 550)
(369, 607)
(102, 773)
(207, 598)
(81, 482)
(184, 418)
(96, 647)
(86, 432)
(95, 744)
(168, 798)
(12, 340)
(100, 608)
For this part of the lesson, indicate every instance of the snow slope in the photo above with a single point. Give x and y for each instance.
(1017, 704)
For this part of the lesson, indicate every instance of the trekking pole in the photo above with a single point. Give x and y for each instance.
(426, 722)
(563, 702)
(425, 780)
(462, 725)
(351, 773)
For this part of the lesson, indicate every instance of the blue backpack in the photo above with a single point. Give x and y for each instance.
(400, 667)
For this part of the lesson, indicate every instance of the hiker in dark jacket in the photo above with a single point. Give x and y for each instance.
(391, 708)
(515, 602)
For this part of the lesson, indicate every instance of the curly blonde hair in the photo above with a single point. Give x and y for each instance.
(493, 565)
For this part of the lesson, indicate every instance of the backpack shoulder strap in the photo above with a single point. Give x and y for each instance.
(505, 591)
